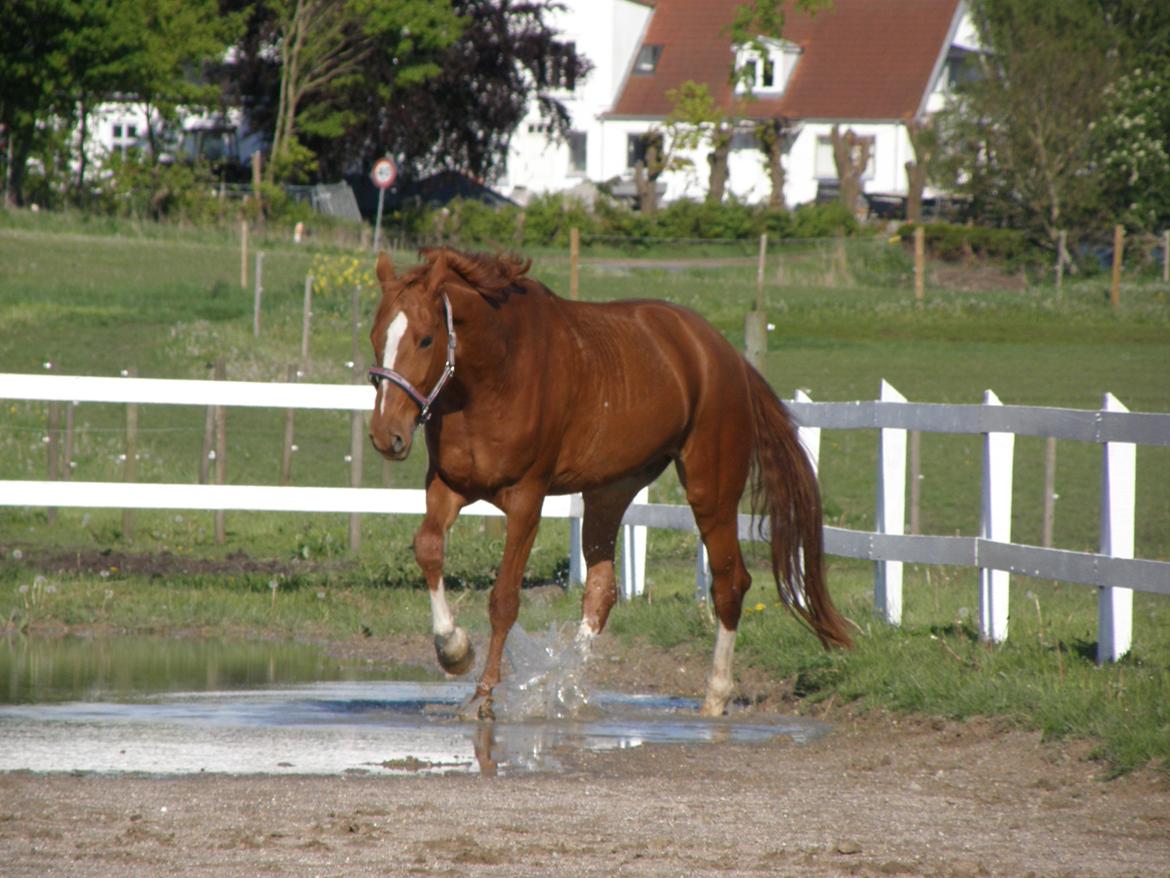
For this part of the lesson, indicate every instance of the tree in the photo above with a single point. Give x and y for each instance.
(695, 118)
(1019, 138)
(328, 47)
(177, 41)
(33, 72)
(752, 22)
(461, 117)
(851, 155)
(924, 143)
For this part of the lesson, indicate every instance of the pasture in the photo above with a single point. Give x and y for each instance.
(169, 304)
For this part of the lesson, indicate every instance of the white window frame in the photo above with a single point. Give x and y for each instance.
(781, 55)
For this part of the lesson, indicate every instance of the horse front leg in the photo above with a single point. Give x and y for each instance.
(452, 645)
(523, 516)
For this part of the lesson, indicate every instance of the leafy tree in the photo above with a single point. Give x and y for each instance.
(177, 40)
(461, 117)
(33, 72)
(328, 48)
(1019, 139)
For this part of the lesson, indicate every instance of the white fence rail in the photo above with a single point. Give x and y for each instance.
(1113, 570)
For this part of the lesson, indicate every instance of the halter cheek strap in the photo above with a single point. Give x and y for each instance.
(425, 403)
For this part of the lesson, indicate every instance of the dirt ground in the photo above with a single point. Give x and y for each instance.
(880, 795)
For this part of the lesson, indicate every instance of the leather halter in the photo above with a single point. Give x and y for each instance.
(424, 403)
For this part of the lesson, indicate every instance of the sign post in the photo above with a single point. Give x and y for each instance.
(383, 175)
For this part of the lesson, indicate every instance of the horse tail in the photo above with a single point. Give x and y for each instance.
(784, 490)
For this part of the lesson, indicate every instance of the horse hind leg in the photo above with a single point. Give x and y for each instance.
(604, 509)
(714, 497)
(730, 582)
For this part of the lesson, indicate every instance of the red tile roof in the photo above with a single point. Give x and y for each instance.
(861, 59)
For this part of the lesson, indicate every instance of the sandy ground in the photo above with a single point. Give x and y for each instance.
(880, 795)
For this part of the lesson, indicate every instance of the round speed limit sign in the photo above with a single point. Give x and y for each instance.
(385, 173)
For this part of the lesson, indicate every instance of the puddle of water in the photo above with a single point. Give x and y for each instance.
(40, 670)
(255, 714)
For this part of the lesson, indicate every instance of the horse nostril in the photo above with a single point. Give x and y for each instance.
(397, 443)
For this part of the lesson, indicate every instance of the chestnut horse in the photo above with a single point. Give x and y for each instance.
(524, 394)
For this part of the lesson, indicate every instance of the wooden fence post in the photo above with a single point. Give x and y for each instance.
(755, 323)
(634, 553)
(1049, 520)
(574, 263)
(1118, 481)
(52, 445)
(919, 265)
(1118, 258)
(220, 417)
(306, 318)
(891, 511)
(243, 254)
(1166, 257)
(67, 450)
(130, 470)
(288, 447)
(259, 292)
(995, 524)
(915, 481)
(356, 421)
(1061, 256)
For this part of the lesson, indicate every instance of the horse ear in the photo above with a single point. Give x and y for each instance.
(385, 270)
(438, 260)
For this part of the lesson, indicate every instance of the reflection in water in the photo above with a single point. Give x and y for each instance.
(161, 706)
(39, 670)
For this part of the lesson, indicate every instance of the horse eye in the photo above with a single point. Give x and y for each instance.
(426, 342)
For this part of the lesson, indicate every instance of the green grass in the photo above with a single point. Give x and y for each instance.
(168, 303)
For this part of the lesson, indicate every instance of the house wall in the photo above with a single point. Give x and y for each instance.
(608, 33)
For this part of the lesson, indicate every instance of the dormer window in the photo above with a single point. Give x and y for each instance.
(765, 66)
(647, 61)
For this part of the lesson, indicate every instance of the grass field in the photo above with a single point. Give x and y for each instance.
(169, 303)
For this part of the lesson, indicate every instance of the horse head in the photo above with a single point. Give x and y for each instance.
(414, 351)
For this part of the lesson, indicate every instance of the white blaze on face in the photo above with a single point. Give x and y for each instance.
(394, 333)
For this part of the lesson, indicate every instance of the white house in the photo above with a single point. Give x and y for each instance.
(872, 66)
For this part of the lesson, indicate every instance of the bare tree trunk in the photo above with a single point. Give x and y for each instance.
(771, 133)
(851, 155)
(718, 159)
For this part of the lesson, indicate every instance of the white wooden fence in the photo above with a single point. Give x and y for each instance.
(1114, 570)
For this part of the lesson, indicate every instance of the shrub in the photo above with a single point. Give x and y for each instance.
(953, 243)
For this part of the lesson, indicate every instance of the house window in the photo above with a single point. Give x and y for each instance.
(765, 72)
(744, 138)
(647, 61)
(578, 151)
(635, 149)
(825, 165)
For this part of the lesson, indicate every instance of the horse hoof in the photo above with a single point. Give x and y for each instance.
(455, 652)
(487, 712)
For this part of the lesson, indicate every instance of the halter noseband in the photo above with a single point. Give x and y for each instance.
(424, 402)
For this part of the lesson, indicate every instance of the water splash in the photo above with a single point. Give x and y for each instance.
(547, 675)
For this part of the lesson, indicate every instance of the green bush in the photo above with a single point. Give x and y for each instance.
(137, 186)
(953, 243)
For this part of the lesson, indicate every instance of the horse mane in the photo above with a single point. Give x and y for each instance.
(493, 277)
